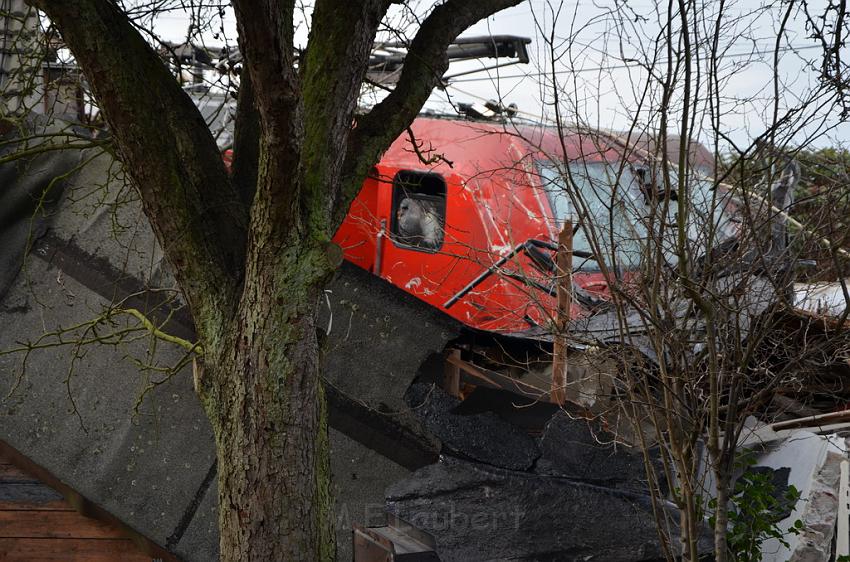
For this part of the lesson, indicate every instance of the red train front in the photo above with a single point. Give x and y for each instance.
(468, 221)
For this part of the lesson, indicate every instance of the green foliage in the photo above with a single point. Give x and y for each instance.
(754, 512)
(821, 201)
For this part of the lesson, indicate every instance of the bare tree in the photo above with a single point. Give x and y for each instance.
(698, 247)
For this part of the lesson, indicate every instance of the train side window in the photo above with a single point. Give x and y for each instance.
(419, 210)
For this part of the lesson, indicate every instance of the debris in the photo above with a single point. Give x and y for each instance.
(477, 512)
(814, 543)
(842, 536)
(825, 299)
(813, 465)
(570, 448)
(397, 541)
(483, 437)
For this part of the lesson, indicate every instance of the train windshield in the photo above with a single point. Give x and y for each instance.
(602, 200)
(615, 211)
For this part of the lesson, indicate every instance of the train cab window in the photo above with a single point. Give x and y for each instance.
(419, 210)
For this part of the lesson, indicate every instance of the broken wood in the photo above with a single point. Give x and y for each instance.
(451, 373)
(564, 267)
(467, 367)
(808, 421)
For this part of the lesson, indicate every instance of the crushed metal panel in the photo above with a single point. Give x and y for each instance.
(825, 299)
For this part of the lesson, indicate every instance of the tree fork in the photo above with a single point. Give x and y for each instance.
(252, 253)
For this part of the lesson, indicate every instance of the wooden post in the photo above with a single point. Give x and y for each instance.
(451, 374)
(564, 268)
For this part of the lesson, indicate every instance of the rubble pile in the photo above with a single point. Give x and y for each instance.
(480, 465)
(810, 459)
(498, 493)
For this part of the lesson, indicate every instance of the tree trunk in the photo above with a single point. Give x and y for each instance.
(721, 516)
(263, 394)
(252, 252)
(688, 527)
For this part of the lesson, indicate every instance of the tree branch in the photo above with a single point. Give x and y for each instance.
(424, 66)
(159, 334)
(166, 148)
(246, 142)
(266, 43)
(341, 40)
(268, 53)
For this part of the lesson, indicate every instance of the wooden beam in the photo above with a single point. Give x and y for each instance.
(467, 367)
(494, 379)
(451, 373)
(564, 263)
(71, 550)
(813, 421)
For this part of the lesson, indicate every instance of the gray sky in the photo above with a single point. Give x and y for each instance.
(601, 52)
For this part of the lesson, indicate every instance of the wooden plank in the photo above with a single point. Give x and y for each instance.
(467, 367)
(503, 381)
(564, 262)
(55, 505)
(27, 492)
(813, 421)
(54, 524)
(451, 374)
(70, 550)
(49, 496)
(12, 472)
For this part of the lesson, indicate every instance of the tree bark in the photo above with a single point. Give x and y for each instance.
(721, 517)
(263, 395)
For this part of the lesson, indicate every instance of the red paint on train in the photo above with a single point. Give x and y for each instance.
(493, 200)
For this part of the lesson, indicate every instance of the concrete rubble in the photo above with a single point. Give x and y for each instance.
(484, 438)
(497, 493)
(576, 450)
(478, 512)
(809, 459)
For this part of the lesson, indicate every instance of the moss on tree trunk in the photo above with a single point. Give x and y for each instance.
(262, 391)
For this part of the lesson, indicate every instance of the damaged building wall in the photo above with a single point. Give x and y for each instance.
(806, 459)
(813, 463)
